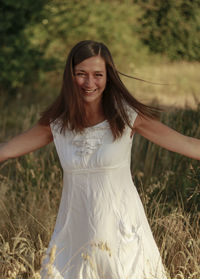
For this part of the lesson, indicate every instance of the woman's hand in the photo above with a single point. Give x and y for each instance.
(166, 137)
(33, 139)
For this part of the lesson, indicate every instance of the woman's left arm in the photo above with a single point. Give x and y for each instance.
(166, 137)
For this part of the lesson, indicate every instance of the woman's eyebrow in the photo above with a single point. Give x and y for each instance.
(80, 70)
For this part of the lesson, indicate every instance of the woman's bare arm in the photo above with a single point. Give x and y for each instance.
(166, 137)
(33, 139)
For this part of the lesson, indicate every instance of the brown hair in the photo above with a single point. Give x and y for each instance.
(69, 106)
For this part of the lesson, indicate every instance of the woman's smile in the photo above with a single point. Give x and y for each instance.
(89, 91)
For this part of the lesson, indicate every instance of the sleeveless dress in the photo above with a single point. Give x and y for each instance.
(101, 230)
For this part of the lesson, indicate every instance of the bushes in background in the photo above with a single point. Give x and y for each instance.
(20, 61)
(171, 27)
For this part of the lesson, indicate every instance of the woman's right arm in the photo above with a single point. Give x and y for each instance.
(31, 140)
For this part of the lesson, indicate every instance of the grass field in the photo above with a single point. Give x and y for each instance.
(169, 184)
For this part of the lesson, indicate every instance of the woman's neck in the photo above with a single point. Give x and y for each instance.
(94, 113)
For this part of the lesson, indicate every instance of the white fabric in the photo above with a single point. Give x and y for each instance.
(100, 205)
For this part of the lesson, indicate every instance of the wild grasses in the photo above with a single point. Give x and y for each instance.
(176, 233)
(169, 186)
(180, 79)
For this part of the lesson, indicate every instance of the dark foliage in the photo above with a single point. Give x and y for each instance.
(19, 60)
(171, 27)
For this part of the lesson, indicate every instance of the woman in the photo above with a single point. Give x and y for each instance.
(101, 229)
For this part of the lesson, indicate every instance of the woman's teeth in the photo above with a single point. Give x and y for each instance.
(90, 91)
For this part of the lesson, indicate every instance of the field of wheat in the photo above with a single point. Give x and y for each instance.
(168, 184)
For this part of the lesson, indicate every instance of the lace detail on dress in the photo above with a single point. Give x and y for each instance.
(56, 126)
(90, 139)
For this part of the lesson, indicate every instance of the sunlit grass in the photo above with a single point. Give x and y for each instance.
(181, 79)
(30, 187)
(30, 194)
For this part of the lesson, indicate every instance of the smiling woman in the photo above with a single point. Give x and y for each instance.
(101, 229)
(89, 67)
(90, 78)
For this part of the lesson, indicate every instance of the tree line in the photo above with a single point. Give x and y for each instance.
(29, 28)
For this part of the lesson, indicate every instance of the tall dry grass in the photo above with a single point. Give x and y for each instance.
(27, 222)
(181, 79)
(168, 184)
(30, 194)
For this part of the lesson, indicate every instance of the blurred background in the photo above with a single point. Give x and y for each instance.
(155, 40)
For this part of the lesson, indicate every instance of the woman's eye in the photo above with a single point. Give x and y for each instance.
(80, 74)
(84, 75)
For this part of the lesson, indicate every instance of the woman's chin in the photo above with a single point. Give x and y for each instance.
(90, 98)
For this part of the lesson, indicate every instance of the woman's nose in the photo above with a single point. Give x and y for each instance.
(89, 82)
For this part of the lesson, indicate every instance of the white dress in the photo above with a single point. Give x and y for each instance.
(101, 230)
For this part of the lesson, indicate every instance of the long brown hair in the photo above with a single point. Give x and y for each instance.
(69, 106)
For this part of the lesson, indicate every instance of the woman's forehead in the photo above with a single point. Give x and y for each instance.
(95, 63)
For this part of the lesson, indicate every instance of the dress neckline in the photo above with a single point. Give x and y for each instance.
(97, 125)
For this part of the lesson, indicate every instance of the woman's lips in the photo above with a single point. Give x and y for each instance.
(89, 91)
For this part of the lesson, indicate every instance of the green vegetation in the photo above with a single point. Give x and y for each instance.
(171, 27)
(36, 35)
(20, 61)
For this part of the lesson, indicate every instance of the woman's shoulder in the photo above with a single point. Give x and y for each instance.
(56, 126)
(131, 111)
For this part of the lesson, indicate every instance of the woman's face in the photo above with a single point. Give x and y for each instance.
(90, 77)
